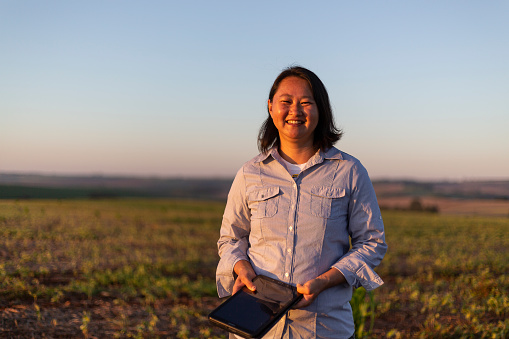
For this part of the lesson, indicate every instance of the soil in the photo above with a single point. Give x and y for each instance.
(109, 318)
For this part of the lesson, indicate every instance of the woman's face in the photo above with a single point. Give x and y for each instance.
(294, 112)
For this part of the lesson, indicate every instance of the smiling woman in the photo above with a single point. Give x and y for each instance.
(312, 97)
(292, 210)
(294, 113)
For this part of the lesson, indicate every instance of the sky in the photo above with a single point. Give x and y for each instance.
(179, 89)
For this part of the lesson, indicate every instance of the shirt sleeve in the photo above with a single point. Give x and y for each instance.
(234, 235)
(366, 228)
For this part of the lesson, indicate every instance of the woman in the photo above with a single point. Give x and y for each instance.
(292, 210)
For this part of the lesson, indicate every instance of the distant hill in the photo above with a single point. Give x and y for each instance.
(35, 186)
(462, 189)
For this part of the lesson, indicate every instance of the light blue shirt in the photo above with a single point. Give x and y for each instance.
(294, 229)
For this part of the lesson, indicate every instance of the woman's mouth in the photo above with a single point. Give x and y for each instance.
(294, 122)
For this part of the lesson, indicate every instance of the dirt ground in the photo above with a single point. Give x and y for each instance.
(108, 318)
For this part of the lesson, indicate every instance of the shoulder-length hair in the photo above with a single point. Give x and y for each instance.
(325, 134)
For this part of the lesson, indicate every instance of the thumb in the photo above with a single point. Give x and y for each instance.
(251, 286)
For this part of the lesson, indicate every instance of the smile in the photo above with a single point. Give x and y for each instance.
(295, 122)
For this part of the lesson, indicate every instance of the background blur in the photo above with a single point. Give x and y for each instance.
(171, 88)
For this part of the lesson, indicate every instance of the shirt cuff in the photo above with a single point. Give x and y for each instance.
(363, 276)
(225, 278)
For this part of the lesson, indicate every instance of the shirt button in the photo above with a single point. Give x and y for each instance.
(287, 275)
(290, 228)
(289, 250)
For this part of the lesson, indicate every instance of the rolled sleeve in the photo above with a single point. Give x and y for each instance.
(366, 229)
(234, 234)
(224, 275)
(359, 274)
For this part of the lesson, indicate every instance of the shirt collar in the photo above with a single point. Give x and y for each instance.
(263, 156)
(332, 153)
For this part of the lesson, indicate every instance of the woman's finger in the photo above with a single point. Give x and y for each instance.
(249, 284)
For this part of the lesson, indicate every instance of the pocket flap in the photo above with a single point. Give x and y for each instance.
(263, 193)
(328, 192)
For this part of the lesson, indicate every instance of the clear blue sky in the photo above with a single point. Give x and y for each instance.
(174, 88)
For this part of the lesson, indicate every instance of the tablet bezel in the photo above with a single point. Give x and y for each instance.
(230, 326)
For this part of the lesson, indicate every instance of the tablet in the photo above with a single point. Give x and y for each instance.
(251, 314)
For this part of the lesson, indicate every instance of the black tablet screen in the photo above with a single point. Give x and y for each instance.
(251, 311)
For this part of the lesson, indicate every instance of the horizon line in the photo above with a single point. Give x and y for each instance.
(224, 177)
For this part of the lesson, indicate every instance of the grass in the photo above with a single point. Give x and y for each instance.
(138, 259)
(446, 276)
(144, 268)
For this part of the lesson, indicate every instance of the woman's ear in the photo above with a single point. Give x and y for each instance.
(269, 106)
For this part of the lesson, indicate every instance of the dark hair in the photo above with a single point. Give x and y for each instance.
(325, 135)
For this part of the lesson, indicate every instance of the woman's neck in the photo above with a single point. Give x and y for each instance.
(296, 155)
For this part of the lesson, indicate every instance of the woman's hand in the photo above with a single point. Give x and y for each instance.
(245, 276)
(312, 288)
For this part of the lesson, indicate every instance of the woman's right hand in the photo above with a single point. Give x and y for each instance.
(245, 276)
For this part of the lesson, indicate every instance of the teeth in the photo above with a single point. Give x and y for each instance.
(295, 122)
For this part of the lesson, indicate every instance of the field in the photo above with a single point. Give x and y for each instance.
(144, 268)
(452, 206)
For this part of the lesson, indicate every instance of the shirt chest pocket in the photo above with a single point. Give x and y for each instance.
(263, 202)
(328, 202)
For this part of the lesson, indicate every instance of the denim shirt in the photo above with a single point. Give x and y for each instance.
(295, 229)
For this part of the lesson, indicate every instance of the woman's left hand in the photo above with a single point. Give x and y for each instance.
(312, 288)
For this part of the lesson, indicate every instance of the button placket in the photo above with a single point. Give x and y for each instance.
(290, 239)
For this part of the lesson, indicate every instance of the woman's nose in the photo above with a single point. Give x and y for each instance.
(296, 109)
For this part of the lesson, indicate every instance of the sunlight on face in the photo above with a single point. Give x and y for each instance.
(294, 112)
